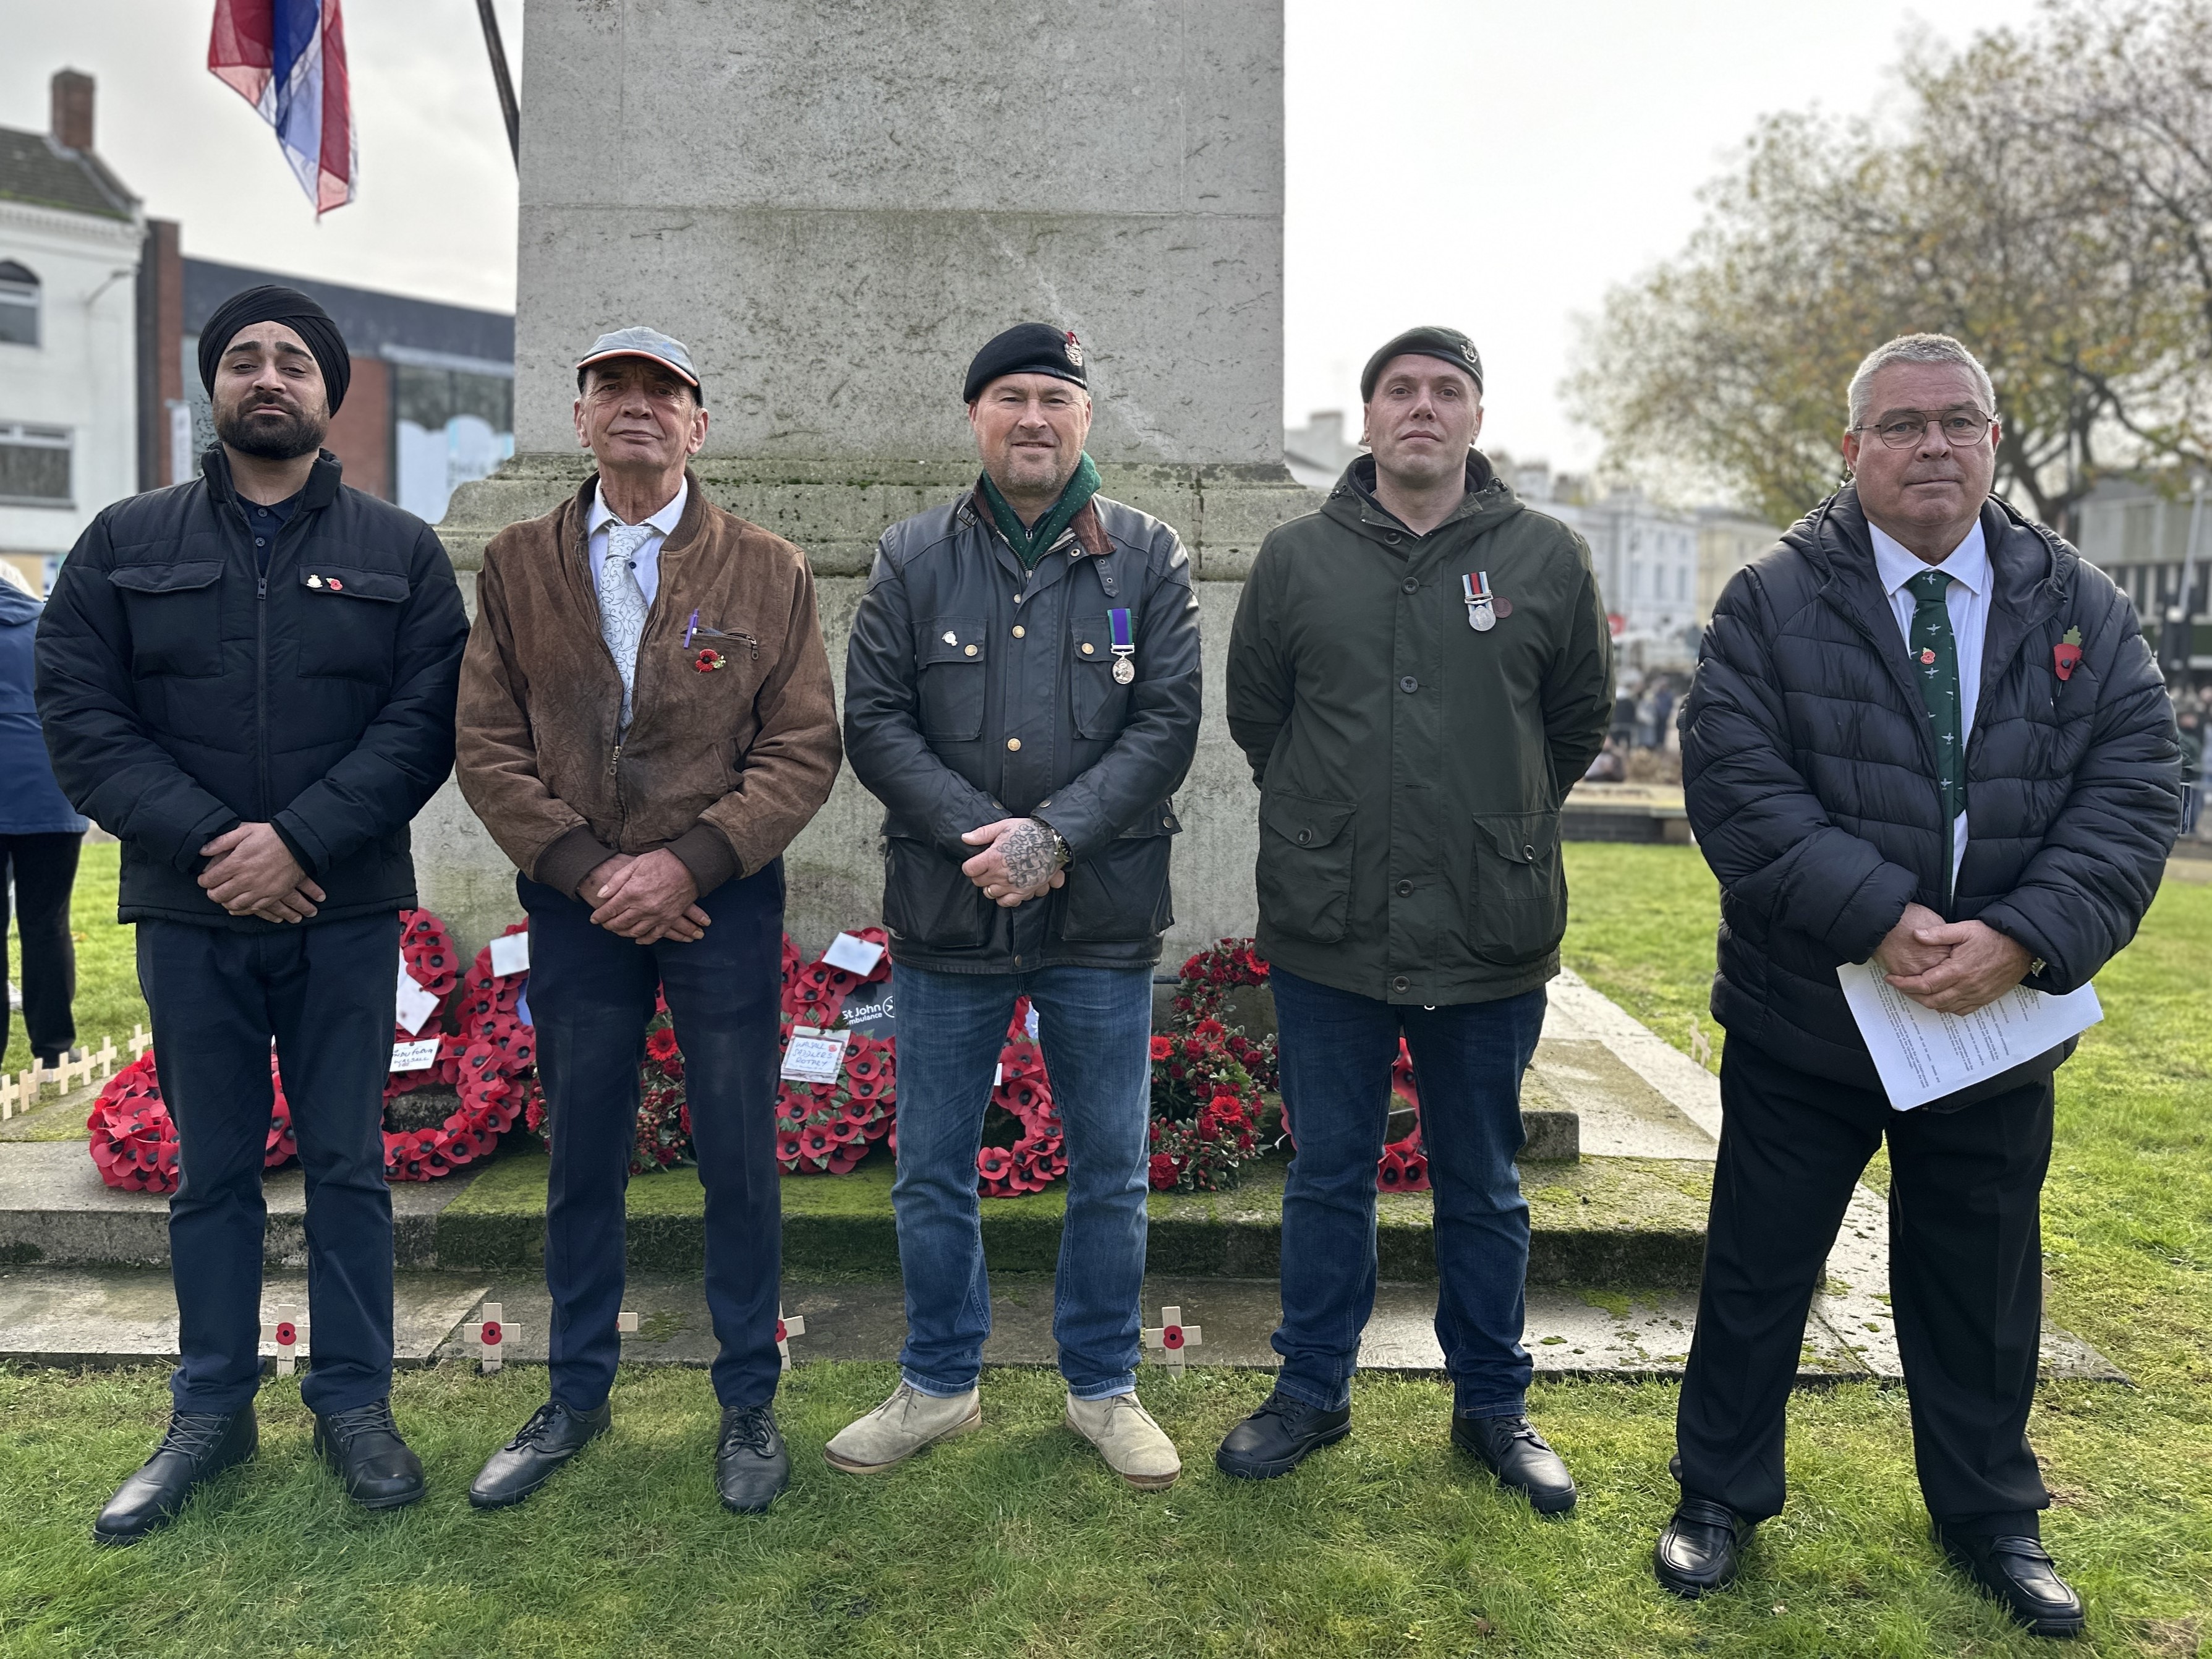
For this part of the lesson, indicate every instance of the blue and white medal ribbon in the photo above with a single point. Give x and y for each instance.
(1481, 613)
(1124, 646)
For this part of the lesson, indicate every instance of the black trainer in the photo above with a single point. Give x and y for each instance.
(1701, 1548)
(364, 1445)
(1520, 1457)
(2018, 1572)
(752, 1466)
(198, 1446)
(1275, 1439)
(554, 1434)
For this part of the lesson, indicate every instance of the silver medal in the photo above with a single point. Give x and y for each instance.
(1124, 670)
(1481, 617)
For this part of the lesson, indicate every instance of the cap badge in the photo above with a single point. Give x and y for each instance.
(1074, 349)
(314, 581)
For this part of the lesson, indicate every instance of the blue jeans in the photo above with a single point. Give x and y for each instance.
(324, 991)
(591, 994)
(1094, 1024)
(1337, 1051)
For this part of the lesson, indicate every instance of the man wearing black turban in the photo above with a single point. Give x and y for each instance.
(249, 678)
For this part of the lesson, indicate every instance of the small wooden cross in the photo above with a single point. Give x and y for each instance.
(103, 1058)
(491, 1333)
(288, 1332)
(785, 1330)
(141, 1041)
(1172, 1337)
(626, 1323)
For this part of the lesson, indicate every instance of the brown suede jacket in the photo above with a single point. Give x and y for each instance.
(722, 765)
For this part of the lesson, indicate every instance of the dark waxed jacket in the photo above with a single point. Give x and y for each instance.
(1412, 768)
(976, 691)
(1808, 765)
(183, 694)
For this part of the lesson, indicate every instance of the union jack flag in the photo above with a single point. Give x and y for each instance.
(286, 59)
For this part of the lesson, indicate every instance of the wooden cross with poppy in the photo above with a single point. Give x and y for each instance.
(288, 1332)
(1173, 1338)
(490, 1333)
(786, 1329)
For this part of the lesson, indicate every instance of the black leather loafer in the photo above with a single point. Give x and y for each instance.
(750, 1464)
(1275, 1439)
(364, 1445)
(553, 1435)
(2018, 1572)
(1701, 1548)
(1521, 1459)
(199, 1446)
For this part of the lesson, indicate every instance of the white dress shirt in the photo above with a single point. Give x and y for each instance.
(646, 561)
(1968, 599)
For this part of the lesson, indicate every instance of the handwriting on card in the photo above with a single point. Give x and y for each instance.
(814, 1056)
(414, 1056)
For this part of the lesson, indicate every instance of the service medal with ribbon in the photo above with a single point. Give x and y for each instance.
(1124, 646)
(1481, 611)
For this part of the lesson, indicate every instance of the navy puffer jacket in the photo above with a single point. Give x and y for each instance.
(1808, 765)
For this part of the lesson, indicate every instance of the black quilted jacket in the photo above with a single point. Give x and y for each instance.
(1809, 769)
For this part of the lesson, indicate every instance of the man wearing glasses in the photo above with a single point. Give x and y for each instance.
(1924, 731)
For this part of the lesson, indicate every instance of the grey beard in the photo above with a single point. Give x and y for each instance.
(1027, 852)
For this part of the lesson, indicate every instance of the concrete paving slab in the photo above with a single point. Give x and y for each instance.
(78, 1316)
(1576, 1012)
(1621, 1113)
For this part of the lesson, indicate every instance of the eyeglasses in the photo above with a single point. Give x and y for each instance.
(1961, 430)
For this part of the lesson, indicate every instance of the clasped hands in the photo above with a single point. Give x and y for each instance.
(1952, 967)
(1019, 862)
(646, 898)
(252, 873)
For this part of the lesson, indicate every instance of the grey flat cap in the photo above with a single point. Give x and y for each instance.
(641, 343)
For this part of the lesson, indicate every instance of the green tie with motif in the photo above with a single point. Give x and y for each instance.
(1935, 659)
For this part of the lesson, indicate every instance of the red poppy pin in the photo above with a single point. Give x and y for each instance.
(708, 660)
(2066, 653)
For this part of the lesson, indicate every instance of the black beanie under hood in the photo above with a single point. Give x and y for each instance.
(287, 305)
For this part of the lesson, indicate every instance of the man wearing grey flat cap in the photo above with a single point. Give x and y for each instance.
(1418, 673)
(647, 720)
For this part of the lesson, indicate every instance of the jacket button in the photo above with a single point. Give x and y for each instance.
(971, 650)
(1409, 683)
(1393, 538)
(1304, 835)
(1404, 889)
(1529, 852)
(1401, 984)
(1086, 647)
(1018, 630)
(1013, 743)
(1411, 585)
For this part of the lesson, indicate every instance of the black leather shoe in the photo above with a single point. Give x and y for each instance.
(554, 1434)
(199, 1446)
(2018, 1572)
(750, 1464)
(1519, 1456)
(364, 1445)
(1275, 1439)
(1699, 1550)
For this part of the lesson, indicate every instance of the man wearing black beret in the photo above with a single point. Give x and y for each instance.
(249, 678)
(1022, 694)
(1418, 673)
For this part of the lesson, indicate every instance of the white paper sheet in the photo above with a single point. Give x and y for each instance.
(814, 1056)
(414, 1057)
(853, 954)
(510, 954)
(1924, 1055)
(416, 1004)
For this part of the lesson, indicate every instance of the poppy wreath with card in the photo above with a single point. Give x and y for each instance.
(133, 1141)
(827, 1128)
(489, 1000)
(454, 1112)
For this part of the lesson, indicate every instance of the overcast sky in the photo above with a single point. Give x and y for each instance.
(1492, 165)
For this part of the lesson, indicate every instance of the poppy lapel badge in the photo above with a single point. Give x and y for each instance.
(2066, 653)
(708, 660)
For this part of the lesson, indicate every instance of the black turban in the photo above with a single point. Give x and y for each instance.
(1026, 349)
(294, 309)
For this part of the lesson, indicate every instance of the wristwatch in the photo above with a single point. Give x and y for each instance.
(1061, 858)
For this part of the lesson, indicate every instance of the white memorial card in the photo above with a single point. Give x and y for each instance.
(510, 954)
(814, 1056)
(414, 1057)
(1922, 1056)
(416, 1004)
(853, 954)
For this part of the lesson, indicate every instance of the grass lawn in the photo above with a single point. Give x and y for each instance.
(107, 1000)
(1015, 1541)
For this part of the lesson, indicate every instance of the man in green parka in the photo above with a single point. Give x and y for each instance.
(1419, 674)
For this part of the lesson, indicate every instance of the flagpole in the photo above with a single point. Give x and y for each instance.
(507, 106)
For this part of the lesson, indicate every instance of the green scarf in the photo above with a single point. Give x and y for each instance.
(1031, 545)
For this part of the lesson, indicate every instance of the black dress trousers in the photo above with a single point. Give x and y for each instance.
(1965, 1274)
(44, 869)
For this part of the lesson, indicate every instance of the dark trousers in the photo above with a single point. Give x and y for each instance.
(44, 870)
(1965, 1280)
(590, 995)
(1337, 1049)
(325, 992)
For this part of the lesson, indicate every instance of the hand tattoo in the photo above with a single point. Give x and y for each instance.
(1028, 852)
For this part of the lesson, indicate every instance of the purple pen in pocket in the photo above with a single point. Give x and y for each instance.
(689, 628)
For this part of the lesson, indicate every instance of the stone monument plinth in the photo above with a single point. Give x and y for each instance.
(834, 202)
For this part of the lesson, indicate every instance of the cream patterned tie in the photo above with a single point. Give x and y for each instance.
(622, 603)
